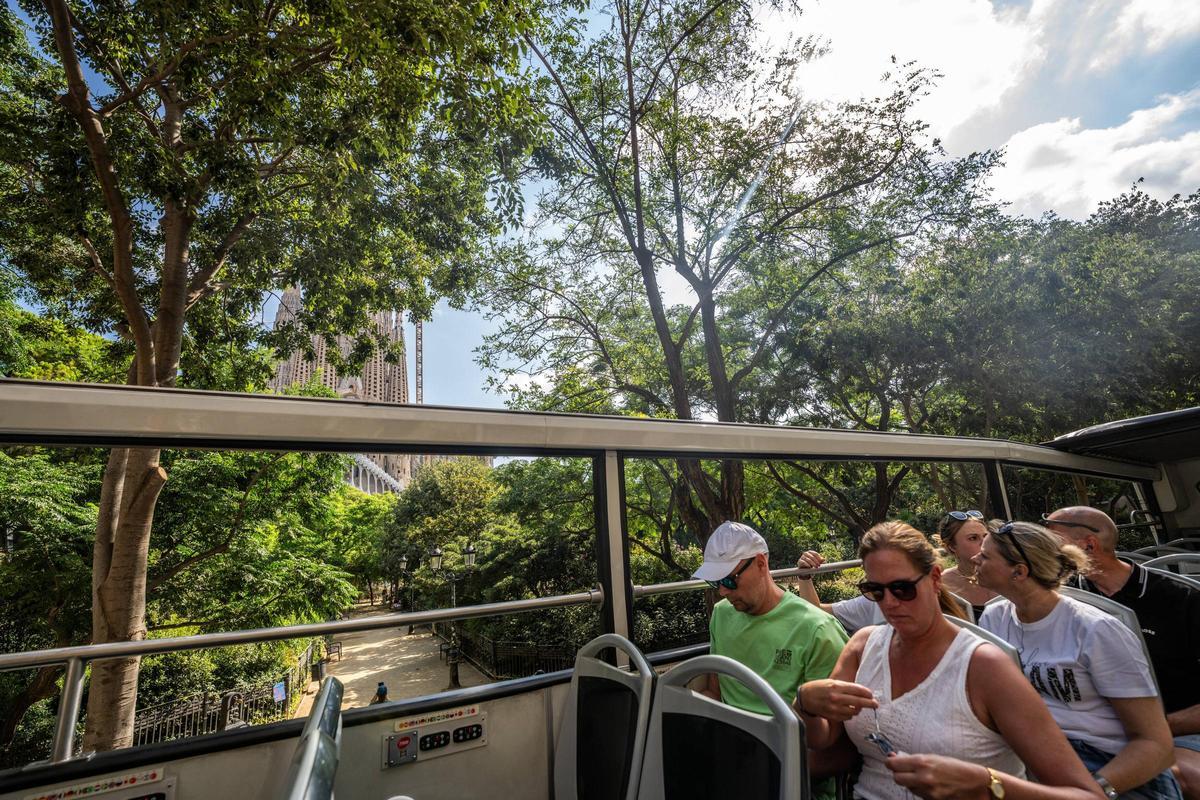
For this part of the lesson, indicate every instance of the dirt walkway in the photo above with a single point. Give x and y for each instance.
(409, 665)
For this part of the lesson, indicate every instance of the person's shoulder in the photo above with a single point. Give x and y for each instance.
(797, 608)
(722, 609)
(1086, 613)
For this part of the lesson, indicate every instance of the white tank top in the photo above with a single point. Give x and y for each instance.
(933, 717)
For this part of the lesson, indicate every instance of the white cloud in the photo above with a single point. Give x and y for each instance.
(981, 52)
(1063, 166)
(1145, 26)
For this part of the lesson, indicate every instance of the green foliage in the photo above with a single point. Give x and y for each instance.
(240, 542)
(56, 351)
(361, 151)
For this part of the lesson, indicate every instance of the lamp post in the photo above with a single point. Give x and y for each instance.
(408, 578)
(435, 563)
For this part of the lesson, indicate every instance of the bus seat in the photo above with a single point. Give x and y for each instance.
(965, 606)
(1124, 613)
(988, 636)
(700, 748)
(603, 734)
(1156, 550)
(1182, 563)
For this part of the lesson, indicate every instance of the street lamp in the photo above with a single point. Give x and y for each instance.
(436, 560)
(408, 578)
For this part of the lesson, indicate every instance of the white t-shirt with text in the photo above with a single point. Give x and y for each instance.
(1075, 657)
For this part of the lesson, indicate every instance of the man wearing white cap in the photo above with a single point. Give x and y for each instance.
(773, 632)
(784, 639)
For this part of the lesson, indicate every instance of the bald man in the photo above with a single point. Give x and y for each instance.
(1169, 614)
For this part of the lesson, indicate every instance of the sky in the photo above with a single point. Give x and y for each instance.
(1084, 97)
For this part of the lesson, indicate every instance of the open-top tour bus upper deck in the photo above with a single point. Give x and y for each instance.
(505, 739)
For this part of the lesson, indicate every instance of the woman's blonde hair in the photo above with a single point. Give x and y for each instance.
(1050, 560)
(904, 538)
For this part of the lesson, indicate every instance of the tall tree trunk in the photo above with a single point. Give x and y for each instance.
(133, 481)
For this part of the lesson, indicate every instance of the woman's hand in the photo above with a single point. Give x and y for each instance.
(939, 777)
(833, 699)
(810, 560)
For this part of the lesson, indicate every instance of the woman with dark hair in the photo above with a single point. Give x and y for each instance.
(962, 533)
(934, 710)
(1088, 667)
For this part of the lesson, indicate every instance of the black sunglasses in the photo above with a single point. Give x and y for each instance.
(963, 516)
(901, 590)
(1007, 528)
(1047, 521)
(730, 581)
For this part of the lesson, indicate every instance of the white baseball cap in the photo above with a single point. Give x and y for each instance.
(729, 544)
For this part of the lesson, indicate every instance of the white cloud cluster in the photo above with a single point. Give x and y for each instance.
(1063, 166)
(1028, 74)
(982, 53)
(1143, 26)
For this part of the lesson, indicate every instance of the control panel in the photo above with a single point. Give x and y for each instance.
(437, 733)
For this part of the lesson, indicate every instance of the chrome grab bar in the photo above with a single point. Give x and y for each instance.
(789, 572)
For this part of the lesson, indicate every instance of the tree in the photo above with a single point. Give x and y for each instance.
(683, 151)
(46, 514)
(220, 152)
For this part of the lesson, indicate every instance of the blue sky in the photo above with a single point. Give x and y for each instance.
(1084, 96)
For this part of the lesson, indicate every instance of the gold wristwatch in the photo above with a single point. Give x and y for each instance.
(996, 787)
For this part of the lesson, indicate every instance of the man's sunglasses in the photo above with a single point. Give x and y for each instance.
(901, 590)
(730, 581)
(1007, 529)
(1047, 521)
(963, 516)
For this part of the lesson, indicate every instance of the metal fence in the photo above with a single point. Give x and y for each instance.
(500, 660)
(209, 712)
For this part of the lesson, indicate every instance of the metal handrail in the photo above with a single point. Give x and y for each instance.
(790, 572)
(144, 647)
(314, 764)
(77, 657)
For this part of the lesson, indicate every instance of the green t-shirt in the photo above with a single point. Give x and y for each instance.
(790, 644)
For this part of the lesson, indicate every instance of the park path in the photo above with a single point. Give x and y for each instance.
(408, 664)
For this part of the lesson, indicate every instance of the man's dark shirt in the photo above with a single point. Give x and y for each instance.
(1169, 613)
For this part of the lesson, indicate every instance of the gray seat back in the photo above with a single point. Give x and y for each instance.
(603, 735)
(988, 636)
(1132, 557)
(1181, 563)
(1191, 543)
(965, 606)
(1156, 550)
(700, 748)
(1124, 613)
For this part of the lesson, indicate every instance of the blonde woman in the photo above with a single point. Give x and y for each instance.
(934, 710)
(1088, 668)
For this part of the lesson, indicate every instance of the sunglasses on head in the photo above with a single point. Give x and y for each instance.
(1047, 521)
(1007, 529)
(901, 590)
(963, 516)
(730, 582)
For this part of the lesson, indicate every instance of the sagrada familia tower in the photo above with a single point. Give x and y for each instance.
(379, 381)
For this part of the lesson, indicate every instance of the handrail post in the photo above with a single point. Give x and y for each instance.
(68, 712)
